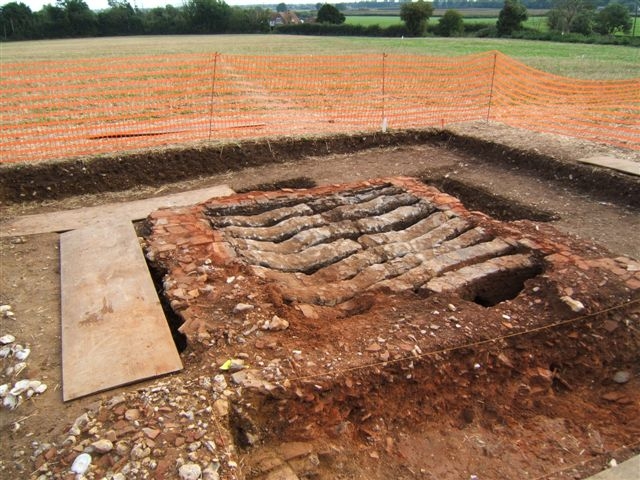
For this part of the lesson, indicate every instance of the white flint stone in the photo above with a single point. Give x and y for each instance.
(81, 464)
(10, 401)
(22, 354)
(190, 471)
(33, 384)
(19, 387)
(575, 305)
(5, 339)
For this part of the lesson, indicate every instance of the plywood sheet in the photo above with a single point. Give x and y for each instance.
(114, 331)
(66, 220)
(620, 164)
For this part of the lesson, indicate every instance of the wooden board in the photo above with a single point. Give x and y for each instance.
(66, 220)
(114, 331)
(626, 166)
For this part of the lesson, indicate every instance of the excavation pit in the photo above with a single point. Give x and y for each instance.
(365, 317)
(343, 275)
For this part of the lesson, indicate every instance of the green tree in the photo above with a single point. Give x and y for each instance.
(330, 14)
(167, 20)
(571, 16)
(120, 19)
(450, 24)
(511, 16)
(52, 22)
(415, 15)
(80, 20)
(249, 20)
(613, 18)
(16, 21)
(282, 7)
(207, 16)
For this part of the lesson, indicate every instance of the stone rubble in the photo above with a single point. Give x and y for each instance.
(174, 428)
(15, 390)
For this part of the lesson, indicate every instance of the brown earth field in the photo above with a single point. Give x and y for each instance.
(390, 385)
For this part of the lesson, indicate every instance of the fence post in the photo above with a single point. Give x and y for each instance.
(493, 76)
(384, 123)
(213, 90)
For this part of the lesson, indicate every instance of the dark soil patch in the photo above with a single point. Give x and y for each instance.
(481, 199)
(298, 182)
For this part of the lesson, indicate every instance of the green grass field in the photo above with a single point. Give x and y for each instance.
(567, 59)
(366, 20)
(538, 23)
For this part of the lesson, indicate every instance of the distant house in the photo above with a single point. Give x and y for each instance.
(284, 18)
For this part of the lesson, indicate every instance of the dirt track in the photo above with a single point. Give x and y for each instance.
(447, 422)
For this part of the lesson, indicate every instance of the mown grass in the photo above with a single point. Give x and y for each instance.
(567, 59)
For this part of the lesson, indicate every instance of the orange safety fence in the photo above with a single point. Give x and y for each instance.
(74, 108)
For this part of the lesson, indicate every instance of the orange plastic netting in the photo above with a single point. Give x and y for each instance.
(73, 108)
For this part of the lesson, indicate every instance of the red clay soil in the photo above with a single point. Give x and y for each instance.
(444, 379)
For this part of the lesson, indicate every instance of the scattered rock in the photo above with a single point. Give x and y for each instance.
(233, 365)
(211, 472)
(19, 387)
(294, 449)
(308, 311)
(122, 448)
(221, 407)
(575, 305)
(275, 324)
(102, 446)
(250, 379)
(22, 354)
(81, 464)
(190, 471)
(132, 414)
(138, 452)
(374, 347)
(81, 421)
(117, 400)
(6, 339)
(622, 376)
(151, 433)
(242, 307)
(10, 401)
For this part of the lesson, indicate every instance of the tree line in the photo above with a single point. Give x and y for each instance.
(568, 20)
(73, 18)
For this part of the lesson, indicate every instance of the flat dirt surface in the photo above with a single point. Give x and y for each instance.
(556, 403)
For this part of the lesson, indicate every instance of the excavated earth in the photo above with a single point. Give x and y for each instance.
(343, 318)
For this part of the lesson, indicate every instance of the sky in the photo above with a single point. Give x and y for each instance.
(36, 5)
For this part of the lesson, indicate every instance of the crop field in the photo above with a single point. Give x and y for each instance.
(598, 62)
